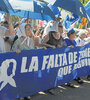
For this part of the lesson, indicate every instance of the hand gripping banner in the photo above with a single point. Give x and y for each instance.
(31, 71)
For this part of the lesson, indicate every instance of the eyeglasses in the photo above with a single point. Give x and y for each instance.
(60, 26)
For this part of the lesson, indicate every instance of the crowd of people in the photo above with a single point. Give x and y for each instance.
(23, 37)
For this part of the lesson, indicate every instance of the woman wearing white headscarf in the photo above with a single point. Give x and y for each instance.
(54, 38)
(26, 41)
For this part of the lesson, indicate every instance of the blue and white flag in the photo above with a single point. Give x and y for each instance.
(73, 18)
(67, 22)
(2, 16)
(70, 20)
(87, 8)
(55, 10)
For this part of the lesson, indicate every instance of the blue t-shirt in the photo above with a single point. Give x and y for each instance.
(70, 42)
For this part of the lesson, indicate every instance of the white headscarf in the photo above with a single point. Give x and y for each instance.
(21, 30)
(55, 28)
(22, 33)
(28, 41)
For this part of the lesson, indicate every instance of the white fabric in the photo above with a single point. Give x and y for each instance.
(21, 30)
(2, 34)
(2, 46)
(48, 28)
(81, 32)
(51, 27)
(40, 42)
(79, 42)
(40, 39)
(11, 38)
(87, 39)
(2, 31)
(28, 41)
(7, 44)
(55, 27)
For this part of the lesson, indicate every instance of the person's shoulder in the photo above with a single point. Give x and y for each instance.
(66, 39)
(74, 41)
(3, 28)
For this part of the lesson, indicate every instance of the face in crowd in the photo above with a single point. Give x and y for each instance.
(28, 30)
(60, 29)
(71, 34)
(83, 36)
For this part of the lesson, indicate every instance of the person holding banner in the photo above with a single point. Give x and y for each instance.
(87, 40)
(70, 39)
(51, 25)
(54, 38)
(72, 43)
(24, 42)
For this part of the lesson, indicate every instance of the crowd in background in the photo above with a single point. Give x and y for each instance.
(22, 36)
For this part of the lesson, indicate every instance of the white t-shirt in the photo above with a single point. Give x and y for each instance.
(48, 28)
(87, 39)
(21, 30)
(79, 42)
(2, 34)
(2, 31)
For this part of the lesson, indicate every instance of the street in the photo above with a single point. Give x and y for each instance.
(81, 92)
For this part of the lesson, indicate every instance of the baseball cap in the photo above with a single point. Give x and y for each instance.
(70, 31)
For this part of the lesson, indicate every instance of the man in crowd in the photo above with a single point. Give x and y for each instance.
(72, 43)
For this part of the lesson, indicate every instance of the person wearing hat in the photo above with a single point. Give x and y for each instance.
(51, 24)
(54, 38)
(71, 36)
(72, 43)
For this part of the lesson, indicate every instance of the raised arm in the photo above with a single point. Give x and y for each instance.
(11, 29)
